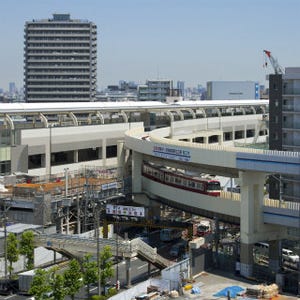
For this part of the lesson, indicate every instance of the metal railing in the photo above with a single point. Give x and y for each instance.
(84, 244)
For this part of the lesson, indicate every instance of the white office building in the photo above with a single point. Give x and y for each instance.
(232, 90)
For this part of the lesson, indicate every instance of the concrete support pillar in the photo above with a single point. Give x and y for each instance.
(233, 133)
(121, 157)
(245, 133)
(61, 226)
(252, 195)
(220, 122)
(75, 156)
(136, 172)
(205, 140)
(171, 129)
(275, 255)
(48, 144)
(220, 139)
(104, 152)
(246, 258)
(43, 161)
(128, 272)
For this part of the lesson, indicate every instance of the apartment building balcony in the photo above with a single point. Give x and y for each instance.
(291, 91)
(58, 47)
(39, 73)
(59, 60)
(58, 93)
(63, 79)
(75, 85)
(42, 35)
(51, 54)
(287, 107)
(52, 27)
(58, 67)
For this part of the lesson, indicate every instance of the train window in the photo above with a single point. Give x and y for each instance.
(172, 180)
(184, 182)
(200, 186)
(167, 178)
(178, 180)
(191, 184)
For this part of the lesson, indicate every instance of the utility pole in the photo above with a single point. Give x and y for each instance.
(5, 247)
(4, 220)
(98, 250)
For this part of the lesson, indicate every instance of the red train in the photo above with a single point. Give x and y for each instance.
(183, 181)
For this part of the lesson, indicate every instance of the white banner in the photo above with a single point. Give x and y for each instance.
(131, 211)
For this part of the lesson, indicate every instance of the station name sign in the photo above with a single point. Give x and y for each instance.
(123, 210)
(171, 153)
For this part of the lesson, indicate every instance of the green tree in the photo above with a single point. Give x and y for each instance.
(58, 288)
(12, 251)
(106, 265)
(90, 272)
(27, 248)
(40, 284)
(73, 278)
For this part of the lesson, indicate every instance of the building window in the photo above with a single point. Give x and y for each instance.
(111, 151)
(5, 167)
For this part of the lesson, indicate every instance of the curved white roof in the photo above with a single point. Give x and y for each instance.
(128, 105)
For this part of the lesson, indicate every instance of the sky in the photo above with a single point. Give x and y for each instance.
(190, 40)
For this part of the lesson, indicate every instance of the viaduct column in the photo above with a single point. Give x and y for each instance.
(48, 146)
(275, 255)
(104, 152)
(121, 157)
(252, 194)
(136, 172)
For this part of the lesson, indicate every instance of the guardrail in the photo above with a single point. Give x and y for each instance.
(295, 206)
(158, 136)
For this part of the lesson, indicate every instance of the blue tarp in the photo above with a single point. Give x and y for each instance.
(233, 290)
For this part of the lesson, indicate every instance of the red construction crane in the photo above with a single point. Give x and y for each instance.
(277, 68)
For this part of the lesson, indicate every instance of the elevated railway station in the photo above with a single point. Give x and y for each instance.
(211, 137)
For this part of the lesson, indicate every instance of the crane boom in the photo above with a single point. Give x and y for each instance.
(277, 68)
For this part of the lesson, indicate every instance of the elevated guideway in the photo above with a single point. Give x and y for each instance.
(74, 246)
(229, 161)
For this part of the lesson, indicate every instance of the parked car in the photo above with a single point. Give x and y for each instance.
(288, 255)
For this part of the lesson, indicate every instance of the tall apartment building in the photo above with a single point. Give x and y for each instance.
(60, 60)
(284, 128)
(155, 90)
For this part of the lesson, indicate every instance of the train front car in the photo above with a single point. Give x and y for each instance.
(213, 188)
